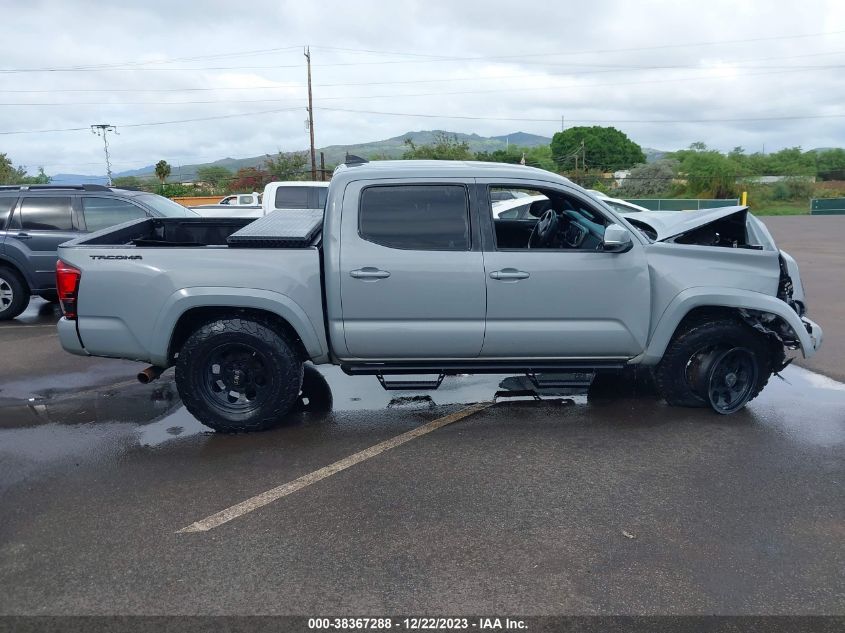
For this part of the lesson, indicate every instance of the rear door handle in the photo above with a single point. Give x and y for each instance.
(23, 236)
(369, 272)
(509, 274)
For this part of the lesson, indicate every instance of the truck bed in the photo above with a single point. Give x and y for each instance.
(137, 280)
(286, 229)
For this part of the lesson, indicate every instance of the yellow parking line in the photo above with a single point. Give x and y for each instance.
(258, 501)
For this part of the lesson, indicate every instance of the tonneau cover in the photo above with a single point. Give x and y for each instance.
(280, 229)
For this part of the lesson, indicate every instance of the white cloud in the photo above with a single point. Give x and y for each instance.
(541, 60)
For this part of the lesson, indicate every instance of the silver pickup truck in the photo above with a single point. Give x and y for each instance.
(408, 272)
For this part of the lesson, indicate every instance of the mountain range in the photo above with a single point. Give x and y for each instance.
(388, 148)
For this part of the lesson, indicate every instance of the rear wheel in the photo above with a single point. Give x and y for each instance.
(14, 294)
(238, 375)
(721, 364)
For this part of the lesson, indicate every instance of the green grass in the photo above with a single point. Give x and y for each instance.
(781, 208)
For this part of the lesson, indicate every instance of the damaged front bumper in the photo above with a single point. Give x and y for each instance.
(816, 335)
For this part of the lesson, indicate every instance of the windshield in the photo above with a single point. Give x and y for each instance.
(165, 207)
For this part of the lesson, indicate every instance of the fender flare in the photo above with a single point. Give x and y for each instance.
(8, 262)
(213, 297)
(705, 297)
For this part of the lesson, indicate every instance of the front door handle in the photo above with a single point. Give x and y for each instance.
(509, 274)
(23, 236)
(369, 272)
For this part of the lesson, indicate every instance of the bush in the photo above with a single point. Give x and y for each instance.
(793, 189)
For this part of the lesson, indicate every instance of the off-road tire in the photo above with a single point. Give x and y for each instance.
(284, 373)
(670, 375)
(11, 280)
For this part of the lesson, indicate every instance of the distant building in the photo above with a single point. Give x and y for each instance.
(621, 175)
(768, 180)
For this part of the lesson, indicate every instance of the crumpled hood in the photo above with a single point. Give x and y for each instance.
(669, 224)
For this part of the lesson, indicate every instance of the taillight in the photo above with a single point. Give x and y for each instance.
(67, 286)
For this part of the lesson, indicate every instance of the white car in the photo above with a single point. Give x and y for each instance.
(294, 194)
(242, 199)
(621, 206)
(515, 208)
(286, 195)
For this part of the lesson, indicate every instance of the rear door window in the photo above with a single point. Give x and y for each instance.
(416, 217)
(292, 198)
(101, 213)
(47, 213)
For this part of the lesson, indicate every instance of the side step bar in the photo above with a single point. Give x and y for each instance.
(410, 385)
(572, 380)
(451, 368)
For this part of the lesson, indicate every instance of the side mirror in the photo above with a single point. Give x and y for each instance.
(617, 239)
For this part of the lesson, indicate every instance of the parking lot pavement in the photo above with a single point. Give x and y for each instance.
(816, 243)
(608, 502)
(611, 503)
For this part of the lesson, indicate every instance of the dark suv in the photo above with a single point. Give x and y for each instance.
(35, 219)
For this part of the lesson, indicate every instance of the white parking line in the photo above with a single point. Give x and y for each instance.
(258, 501)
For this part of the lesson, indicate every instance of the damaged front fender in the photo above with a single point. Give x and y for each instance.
(794, 331)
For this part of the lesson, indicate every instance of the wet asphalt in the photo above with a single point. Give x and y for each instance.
(604, 502)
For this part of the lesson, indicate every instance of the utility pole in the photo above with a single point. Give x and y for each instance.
(561, 123)
(311, 116)
(103, 129)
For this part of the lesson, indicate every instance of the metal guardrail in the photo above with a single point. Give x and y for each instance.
(827, 206)
(683, 204)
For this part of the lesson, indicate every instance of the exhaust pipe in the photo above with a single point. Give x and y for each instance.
(149, 374)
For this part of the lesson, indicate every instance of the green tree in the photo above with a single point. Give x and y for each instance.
(286, 166)
(604, 148)
(707, 172)
(649, 179)
(162, 170)
(133, 182)
(215, 175)
(512, 155)
(11, 175)
(830, 164)
(444, 147)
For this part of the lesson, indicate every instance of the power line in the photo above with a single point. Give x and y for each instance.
(286, 86)
(435, 59)
(119, 65)
(401, 95)
(155, 123)
(613, 50)
(613, 121)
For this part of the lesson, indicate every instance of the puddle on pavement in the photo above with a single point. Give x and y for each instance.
(806, 406)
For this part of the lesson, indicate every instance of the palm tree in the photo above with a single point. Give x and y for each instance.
(162, 170)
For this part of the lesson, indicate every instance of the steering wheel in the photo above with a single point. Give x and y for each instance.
(545, 230)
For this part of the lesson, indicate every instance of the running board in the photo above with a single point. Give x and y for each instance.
(451, 368)
(410, 385)
(572, 380)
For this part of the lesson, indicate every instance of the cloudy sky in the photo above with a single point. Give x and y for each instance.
(760, 74)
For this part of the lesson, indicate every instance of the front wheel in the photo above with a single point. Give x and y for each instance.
(238, 375)
(721, 364)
